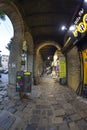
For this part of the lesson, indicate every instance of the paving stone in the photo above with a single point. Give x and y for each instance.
(6, 120)
(82, 114)
(1, 107)
(73, 126)
(43, 122)
(18, 113)
(35, 119)
(51, 98)
(49, 112)
(52, 128)
(67, 118)
(75, 117)
(67, 106)
(31, 127)
(69, 111)
(42, 106)
(82, 124)
(12, 110)
(59, 112)
(53, 102)
(57, 120)
(1, 88)
(1, 96)
(42, 128)
(21, 107)
(44, 112)
(3, 93)
(64, 126)
(57, 106)
(37, 111)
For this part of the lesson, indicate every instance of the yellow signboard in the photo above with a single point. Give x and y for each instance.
(84, 54)
(62, 67)
(81, 27)
(26, 73)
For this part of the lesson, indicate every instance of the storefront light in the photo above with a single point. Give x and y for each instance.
(48, 58)
(72, 27)
(85, 1)
(55, 57)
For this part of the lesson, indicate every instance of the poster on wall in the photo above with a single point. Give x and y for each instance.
(62, 67)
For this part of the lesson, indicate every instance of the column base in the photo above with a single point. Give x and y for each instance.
(36, 80)
(12, 92)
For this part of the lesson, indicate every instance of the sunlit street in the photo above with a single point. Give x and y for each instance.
(4, 78)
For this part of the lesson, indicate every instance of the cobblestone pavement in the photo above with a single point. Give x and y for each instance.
(50, 106)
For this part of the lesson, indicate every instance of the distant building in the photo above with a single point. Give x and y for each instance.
(0, 60)
(4, 61)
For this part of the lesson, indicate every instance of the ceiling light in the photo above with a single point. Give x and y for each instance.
(48, 58)
(63, 27)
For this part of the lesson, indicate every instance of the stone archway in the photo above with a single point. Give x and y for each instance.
(38, 59)
(13, 13)
(51, 43)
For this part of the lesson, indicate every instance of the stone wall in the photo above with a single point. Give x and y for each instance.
(73, 68)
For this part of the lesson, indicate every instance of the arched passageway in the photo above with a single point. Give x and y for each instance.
(20, 35)
(6, 35)
(52, 106)
(44, 59)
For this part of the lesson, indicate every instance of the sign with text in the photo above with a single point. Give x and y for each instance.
(23, 81)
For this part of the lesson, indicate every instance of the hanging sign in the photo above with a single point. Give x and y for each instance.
(80, 23)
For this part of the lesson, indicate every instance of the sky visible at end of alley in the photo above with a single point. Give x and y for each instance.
(6, 33)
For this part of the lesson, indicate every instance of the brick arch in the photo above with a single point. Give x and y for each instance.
(51, 43)
(38, 59)
(14, 15)
(12, 12)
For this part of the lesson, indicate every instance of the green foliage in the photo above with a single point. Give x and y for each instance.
(2, 15)
(9, 45)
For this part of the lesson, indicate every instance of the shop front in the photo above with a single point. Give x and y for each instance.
(77, 38)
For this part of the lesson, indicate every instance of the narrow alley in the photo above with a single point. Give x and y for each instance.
(43, 80)
(50, 106)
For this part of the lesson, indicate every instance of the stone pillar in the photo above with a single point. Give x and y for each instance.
(73, 68)
(14, 66)
(38, 62)
(30, 64)
(35, 81)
